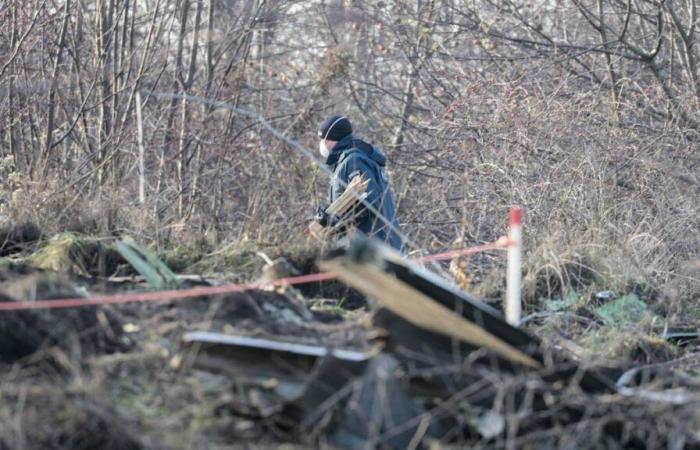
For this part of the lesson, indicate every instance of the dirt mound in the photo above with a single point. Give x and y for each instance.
(87, 330)
(14, 236)
(46, 418)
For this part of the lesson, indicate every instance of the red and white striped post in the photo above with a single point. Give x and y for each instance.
(515, 256)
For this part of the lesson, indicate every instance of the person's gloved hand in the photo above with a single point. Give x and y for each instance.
(318, 228)
(322, 216)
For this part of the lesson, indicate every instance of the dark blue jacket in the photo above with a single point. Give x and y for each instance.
(352, 157)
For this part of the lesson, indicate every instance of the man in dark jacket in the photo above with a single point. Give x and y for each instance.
(349, 157)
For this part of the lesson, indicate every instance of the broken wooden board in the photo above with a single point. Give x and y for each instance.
(425, 300)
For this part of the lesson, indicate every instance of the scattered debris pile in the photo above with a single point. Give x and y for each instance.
(42, 417)
(74, 330)
(429, 364)
(276, 315)
(442, 367)
(91, 364)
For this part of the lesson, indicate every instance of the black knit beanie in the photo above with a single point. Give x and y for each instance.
(334, 128)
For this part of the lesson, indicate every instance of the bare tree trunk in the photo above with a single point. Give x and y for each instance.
(104, 16)
(210, 45)
(687, 51)
(116, 72)
(194, 193)
(608, 59)
(142, 151)
(418, 56)
(182, 160)
(52, 91)
(11, 96)
(11, 144)
(185, 84)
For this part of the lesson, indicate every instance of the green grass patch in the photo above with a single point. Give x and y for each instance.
(624, 311)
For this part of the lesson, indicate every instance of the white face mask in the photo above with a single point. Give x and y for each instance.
(322, 149)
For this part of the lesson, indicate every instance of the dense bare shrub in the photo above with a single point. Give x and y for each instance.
(583, 112)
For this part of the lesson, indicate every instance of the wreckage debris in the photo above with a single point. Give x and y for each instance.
(431, 364)
(424, 300)
(303, 384)
(443, 324)
(156, 273)
(446, 368)
(299, 375)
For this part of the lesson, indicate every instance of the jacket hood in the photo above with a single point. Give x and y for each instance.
(377, 156)
(350, 142)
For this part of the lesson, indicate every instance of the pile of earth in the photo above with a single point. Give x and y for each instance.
(78, 331)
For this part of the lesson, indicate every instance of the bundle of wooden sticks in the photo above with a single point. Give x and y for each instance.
(343, 208)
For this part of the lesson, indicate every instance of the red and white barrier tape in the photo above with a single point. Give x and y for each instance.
(498, 245)
(218, 290)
